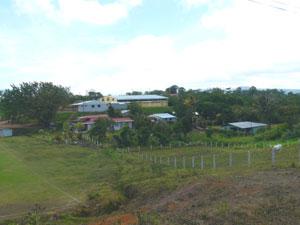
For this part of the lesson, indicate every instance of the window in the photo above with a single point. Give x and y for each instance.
(99, 106)
(81, 105)
(93, 106)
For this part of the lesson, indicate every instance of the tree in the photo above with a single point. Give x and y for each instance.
(34, 101)
(135, 109)
(143, 135)
(265, 107)
(79, 126)
(100, 129)
(111, 111)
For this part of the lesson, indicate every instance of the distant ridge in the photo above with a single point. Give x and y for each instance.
(295, 91)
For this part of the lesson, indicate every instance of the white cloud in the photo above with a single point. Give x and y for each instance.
(90, 11)
(191, 3)
(260, 47)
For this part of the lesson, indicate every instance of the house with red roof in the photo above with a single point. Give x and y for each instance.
(90, 120)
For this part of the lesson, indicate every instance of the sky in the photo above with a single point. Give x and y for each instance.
(117, 46)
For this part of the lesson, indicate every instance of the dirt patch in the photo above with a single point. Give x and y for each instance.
(125, 219)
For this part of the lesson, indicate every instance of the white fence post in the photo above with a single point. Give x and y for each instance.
(175, 163)
(202, 162)
(249, 159)
(230, 160)
(214, 161)
(139, 148)
(193, 162)
(160, 160)
(228, 145)
(168, 161)
(150, 147)
(273, 157)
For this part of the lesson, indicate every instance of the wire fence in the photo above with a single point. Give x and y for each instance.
(204, 158)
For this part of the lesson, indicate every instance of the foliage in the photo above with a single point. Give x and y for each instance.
(79, 126)
(100, 129)
(33, 101)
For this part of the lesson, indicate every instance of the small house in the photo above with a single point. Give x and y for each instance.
(246, 127)
(164, 117)
(5, 132)
(119, 123)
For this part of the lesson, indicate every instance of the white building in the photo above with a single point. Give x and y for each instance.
(164, 117)
(90, 106)
(5, 132)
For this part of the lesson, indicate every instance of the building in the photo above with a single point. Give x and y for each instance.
(89, 121)
(246, 127)
(5, 132)
(164, 117)
(119, 123)
(119, 105)
(90, 106)
(145, 101)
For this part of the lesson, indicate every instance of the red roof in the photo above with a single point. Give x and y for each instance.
(94, 116)
(122, 120)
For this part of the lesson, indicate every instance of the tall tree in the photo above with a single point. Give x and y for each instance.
(34, 101)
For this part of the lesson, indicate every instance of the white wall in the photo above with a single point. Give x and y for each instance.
(93, 107)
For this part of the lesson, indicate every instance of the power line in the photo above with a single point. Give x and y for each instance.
(276, 7)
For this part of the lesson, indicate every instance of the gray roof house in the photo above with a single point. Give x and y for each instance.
(246, 127)
(164, 117)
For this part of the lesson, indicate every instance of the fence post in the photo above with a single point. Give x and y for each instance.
(179, 144)
(263, 145)
(150, 147)
(175, 163)
(299, 154)
(273, 157)
(190, 143)
(248, 145)
(168, 161)
(222, 145)
(139, 148)
(170, 145)
(255, 146)
(216, 144)
(150, 158)
(214, 161)
(142, 157)
(288, 143)
(193, 162)
(183, 159)
(160, 160)
(161, 146)
(205, 144)
(249, 159)
(230, 160)
(202, 161)
(210, 144)
(155, 160)
(146, 157)
(228, 145)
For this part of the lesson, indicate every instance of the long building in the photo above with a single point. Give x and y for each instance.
(145, 101)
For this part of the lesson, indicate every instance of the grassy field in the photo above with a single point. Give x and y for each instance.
(53, 175)
(34, 171)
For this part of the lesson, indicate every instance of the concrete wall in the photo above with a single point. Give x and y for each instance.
(98, 107)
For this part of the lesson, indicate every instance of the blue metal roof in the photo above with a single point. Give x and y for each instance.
(247, 124)
(163, 115)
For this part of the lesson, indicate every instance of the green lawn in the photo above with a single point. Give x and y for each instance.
(33, 171)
